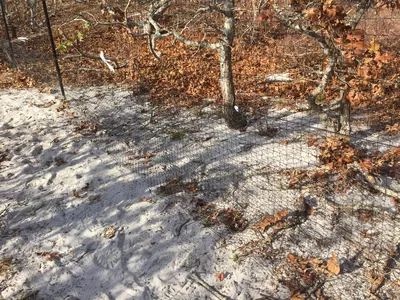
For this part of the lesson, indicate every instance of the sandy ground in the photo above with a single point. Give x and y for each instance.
(85, 212)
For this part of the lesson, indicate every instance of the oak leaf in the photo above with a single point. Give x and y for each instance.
(332, 266)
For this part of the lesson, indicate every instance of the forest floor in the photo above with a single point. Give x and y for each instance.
(108, 197)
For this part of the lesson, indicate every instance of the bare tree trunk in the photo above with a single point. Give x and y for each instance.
(233, 118)
(8, 48)
(338, 119)
(326, 77)
(344, 117)
(32, 12)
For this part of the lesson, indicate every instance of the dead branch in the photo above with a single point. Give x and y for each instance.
(329, 50)
(208, 287)
(362, 8)
(191, 43)
(371, 181)
(89, 56)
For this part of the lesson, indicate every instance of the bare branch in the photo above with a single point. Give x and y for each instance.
(87, 55)
(291, 23)
(362, 8)
(191, 43)
(126, 11)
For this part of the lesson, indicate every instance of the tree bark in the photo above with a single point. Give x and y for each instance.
(326, 77)
(233, 118)
(344, 117)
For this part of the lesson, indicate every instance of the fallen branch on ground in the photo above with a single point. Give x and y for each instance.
(371, 181)
(208, 287)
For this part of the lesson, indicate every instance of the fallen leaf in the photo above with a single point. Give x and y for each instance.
(46, 90)
(220, 276)
(367, 165)
(332, 266)
(144, 199)
(109, 233)
(50, 255)
(147, 157)
(75, 194)
(374, 47)
(269, 221)
(296, 296)
(193, 188)
(94, 198)
(376, 279)
(312, 142)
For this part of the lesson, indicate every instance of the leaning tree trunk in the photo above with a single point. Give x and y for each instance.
(326, 77)
(233, 118)
(344, 116)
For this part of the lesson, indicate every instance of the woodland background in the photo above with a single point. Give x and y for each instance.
(185, 76)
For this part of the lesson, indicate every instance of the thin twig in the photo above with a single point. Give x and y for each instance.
(208, 287)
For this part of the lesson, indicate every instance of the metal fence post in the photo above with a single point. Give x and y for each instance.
(53, 48)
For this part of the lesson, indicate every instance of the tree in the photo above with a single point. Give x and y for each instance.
(328, 23)
(233, 118)
(221, 37)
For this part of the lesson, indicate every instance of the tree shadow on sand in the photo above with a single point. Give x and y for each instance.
(113, 179)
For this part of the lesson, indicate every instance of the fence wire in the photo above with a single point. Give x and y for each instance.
(274, 166)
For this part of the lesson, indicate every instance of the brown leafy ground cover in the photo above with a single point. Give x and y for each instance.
(186, 76)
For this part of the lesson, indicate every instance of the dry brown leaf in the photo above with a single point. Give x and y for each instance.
(75, 194)
(46, 90)
(147, 157)
(367, 165)
(332, 266)
(220, 276)
(94, 198)
(109, 233)
(296, 296)
(144, 199)
(50, 255)
(269, 221)
(312, 142)
(376, 279)
(193, 188)
(291, 258)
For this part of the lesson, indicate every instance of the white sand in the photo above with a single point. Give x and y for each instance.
(158, 244)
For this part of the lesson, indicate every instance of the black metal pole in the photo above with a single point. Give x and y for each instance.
(53, 48)
(3, 12)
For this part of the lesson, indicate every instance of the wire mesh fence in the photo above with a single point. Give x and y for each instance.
(292, 193)
(295, 193)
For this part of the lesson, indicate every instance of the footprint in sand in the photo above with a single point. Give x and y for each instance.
(108, 257)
